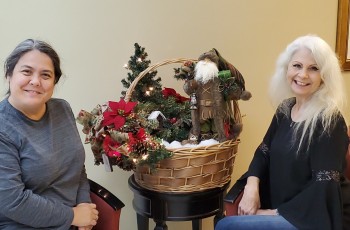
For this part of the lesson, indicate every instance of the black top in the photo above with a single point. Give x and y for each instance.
(307, 187)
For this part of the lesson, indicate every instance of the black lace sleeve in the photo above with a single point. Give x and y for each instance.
(260, 163)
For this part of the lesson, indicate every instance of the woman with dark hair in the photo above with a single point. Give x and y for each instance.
(43, 183)
(296, 178)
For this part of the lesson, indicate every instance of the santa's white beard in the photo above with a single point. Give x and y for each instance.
(205, 71)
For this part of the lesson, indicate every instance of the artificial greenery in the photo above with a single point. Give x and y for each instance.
(122, 132)
(175, 108)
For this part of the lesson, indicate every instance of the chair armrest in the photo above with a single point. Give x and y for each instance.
(236, 190)
(233, 197)
(106, 195)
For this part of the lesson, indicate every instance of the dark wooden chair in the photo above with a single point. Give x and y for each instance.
(108, 205)
(234, 196)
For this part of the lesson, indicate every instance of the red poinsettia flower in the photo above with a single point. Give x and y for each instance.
(139, 136)
(181, 99)
(117, 113)
(110, 147)
(135, 140)
(169, 92)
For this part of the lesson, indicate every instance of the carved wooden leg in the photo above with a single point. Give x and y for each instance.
(221, 213)
(160, 225)
(142, 222)
(197, 224)
(218, 217)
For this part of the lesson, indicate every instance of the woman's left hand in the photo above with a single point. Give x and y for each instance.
(86, 228)
(270, 212)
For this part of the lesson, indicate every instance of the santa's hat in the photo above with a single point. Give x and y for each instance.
(225, 65)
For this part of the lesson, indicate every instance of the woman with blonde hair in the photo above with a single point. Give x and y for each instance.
(296, 178)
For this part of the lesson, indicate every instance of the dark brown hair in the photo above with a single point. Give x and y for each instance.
(29, 45)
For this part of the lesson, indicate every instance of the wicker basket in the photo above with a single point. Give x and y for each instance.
(189, 169)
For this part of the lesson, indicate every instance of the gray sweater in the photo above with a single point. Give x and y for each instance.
(42, 174)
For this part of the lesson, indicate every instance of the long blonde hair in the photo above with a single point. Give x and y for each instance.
(327, 102)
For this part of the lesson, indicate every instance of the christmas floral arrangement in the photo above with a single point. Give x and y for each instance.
(117, 134)
(132, 132)
(127, 134)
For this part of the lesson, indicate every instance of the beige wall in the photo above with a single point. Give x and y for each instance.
(95, 39)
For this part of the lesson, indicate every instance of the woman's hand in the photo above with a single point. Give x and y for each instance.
(270, 212)
(85, 216)
(86, 228)
(250, 202)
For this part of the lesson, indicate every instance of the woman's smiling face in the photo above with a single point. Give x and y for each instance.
(303, 74)
(32, 83)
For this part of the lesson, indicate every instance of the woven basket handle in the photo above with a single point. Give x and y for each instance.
(128, 93)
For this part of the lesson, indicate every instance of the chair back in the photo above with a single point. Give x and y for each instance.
(108, 206)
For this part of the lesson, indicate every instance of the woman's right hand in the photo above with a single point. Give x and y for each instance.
(250, 202)
(85, 215)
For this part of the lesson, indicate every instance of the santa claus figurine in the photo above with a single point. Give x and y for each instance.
(211, 108)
